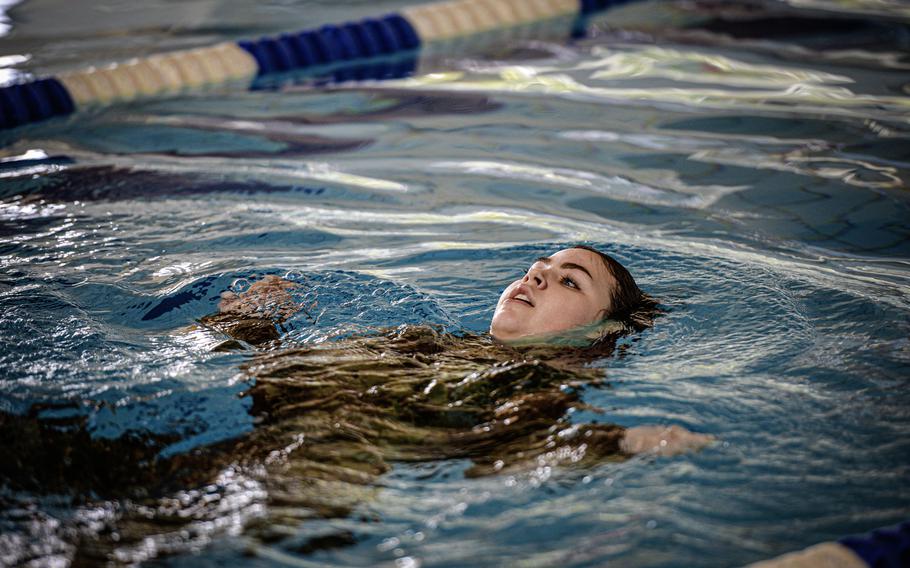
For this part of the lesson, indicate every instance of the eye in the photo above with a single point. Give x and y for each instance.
(568, 282)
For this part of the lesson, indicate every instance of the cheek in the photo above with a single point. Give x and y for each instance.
(570, 310)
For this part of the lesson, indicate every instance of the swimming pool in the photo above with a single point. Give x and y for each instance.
(749, 166)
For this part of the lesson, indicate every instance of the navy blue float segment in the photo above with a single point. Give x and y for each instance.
(306, 55)
(331, 44)
(366, 42)
(254, 49)
(25, 103)
(335, 49)
(282, 53)
(342, 39)
(406, 32)
(39, 107)
(14, 110)
(591, 6)
(314, 41)
(384, 35)
(883, 548)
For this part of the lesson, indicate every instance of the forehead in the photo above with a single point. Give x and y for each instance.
(589, 260)
(583, 257)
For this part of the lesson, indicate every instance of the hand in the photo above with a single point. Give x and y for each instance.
(830, 554)
(662, 440)
(268, 298)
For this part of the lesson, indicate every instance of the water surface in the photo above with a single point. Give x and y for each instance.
(750, 167)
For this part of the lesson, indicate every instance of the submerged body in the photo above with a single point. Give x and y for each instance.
(333, 417)
(330, 419)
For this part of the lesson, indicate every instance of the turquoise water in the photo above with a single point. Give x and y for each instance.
(750, 167)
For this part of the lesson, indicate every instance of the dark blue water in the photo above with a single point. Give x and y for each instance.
(752, 174)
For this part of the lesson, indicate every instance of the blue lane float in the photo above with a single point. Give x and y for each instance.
(33, 102)
(171, 73)
(332, 44)
(887, 547)
(592, 6)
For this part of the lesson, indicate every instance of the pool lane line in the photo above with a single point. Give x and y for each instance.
(174, 72)
(887, 547)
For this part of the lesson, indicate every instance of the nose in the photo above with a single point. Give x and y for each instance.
(536, 277)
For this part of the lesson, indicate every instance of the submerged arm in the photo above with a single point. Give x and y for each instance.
(662, 440)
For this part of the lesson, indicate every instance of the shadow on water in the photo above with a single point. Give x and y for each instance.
(65, 178)
(395, 105)
(109, 183)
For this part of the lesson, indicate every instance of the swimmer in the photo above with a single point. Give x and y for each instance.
(329, 418)
(577, 296)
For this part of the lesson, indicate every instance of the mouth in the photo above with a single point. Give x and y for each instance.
(521, 296)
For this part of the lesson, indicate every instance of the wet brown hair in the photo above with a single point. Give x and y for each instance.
(630, 306)
(330, 419)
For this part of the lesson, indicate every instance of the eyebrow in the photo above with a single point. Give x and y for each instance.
(566, 265)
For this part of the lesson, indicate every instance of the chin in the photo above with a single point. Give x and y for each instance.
(515, 335)
(504, 332)
(500, 335)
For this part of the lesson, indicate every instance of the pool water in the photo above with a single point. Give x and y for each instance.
(749, 164)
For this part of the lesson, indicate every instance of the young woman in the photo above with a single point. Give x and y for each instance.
(568, 309)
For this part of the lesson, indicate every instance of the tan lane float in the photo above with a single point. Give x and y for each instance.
(160, 75)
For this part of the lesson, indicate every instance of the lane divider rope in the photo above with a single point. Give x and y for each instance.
(178, 71)
(887, 547)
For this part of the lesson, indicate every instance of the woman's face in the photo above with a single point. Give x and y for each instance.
(569, 289)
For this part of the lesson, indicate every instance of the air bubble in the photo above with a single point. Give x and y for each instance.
(240, 285)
